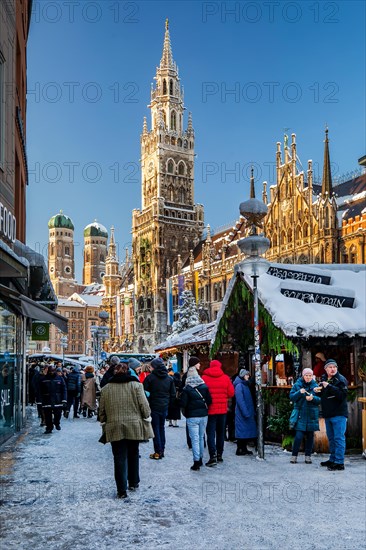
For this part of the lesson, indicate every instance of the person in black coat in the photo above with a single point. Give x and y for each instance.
(161, 390)
(54, 398)
(113, 361)
(174, 409)
(73, 385)
(195, 399)
(333, 394)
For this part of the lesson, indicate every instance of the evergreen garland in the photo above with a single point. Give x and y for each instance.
(272, 338)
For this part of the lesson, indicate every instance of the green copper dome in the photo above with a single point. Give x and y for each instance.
(60, 220)
(95, 229)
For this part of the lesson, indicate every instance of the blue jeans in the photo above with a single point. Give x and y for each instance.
(216, 426)
(336, 430)
(196, 430)
(158, 425)
(309, 440)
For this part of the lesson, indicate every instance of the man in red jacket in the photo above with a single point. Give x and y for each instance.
(221, 389)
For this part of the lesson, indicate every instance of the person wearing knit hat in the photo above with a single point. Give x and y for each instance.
(333, 394)
(193, 361)
(305, 415)
(245, 417)
(221, 389)
(161, 390)
(195, 400)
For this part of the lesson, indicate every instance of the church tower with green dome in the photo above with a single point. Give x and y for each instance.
(61, 265)
(95, 252)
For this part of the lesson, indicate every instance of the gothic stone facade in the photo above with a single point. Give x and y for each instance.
(169, 223)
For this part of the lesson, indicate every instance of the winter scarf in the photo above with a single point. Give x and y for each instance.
(193, 379)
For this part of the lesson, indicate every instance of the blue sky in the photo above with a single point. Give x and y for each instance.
(249, 70)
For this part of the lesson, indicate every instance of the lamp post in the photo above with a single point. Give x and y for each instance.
(64, 344)
(253, 246)
(99, 334)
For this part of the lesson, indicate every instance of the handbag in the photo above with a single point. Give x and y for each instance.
(200, 394)
(294, 418)
(103, 438)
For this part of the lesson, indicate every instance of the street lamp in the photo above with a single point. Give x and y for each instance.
(99, 334)
(253, 246)
(64, 344)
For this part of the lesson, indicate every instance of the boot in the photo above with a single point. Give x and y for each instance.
(84, 414)
(308, 460)
(196, 465)
(200, 462)
(66, 414)
(219, 458)
(212, 461)
(293, 460)
(90, 413)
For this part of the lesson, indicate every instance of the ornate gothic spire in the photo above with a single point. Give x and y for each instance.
(327, 174)
(144, 128)
(252, 188)
(167, 57)
(190, 125)
(112, 247)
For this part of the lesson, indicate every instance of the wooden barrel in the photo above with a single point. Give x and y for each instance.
(320, 438)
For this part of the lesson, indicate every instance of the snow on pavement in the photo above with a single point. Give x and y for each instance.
(59, 494)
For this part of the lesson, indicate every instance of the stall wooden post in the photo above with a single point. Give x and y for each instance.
(363, 401)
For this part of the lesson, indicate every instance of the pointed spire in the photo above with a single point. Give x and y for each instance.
(144, 127)
(327, 174)
(167, 57)
(264, 193)
(190, 125)
(208, 238)
(252, 188)
(112, 247)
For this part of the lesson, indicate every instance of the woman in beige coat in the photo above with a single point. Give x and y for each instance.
(125, 413)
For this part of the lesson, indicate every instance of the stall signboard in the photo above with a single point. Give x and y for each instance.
(40, 331)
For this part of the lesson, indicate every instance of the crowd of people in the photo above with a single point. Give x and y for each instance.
(133, 402)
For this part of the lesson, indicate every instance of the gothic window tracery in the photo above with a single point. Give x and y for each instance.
(181, 168)
(164, 87)
(179, 142)
(170, 167)
(353, 255)
(171, 87)
(173, 120)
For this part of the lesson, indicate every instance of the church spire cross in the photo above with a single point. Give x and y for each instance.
(327, 173)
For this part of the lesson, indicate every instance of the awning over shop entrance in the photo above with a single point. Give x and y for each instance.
(32, 309)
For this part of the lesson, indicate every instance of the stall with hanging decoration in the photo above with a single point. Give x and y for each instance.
(303, 310)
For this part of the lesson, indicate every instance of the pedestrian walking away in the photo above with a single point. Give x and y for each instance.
(245, 422)
(221, 389)
(125, 416)
(161, 390)
(195, 400)
(305, 415)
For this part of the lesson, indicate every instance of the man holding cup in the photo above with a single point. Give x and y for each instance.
(333, 394)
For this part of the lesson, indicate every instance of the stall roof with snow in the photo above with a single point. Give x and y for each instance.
(199, 334)
(297, 301)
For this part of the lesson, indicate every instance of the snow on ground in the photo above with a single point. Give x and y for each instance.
(58, 493)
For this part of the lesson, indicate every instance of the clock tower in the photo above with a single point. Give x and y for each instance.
(169, 222)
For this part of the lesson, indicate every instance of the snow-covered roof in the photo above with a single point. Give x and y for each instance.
(87, 299)
(300, 304)
(64, 302)
(196, 335)
(94, 288)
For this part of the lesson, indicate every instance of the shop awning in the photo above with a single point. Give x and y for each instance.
(32, 309)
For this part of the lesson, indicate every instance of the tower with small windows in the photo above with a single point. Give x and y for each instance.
(61, 265)
(169, 222)
(95, 252)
